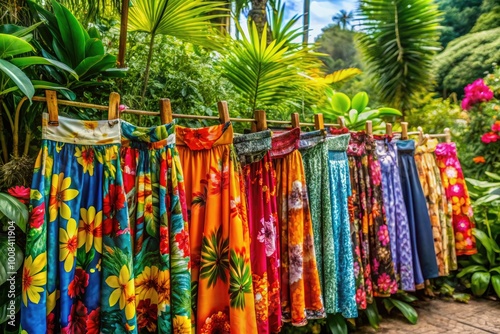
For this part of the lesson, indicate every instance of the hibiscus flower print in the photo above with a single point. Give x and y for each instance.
(267, 235)
(383, 235)
(79, 283)
(219, 178)
(182, 240)
(295, 263)
(296, 198)
(77, 320)
(384, 283)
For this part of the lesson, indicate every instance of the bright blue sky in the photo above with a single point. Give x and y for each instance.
(322, 12)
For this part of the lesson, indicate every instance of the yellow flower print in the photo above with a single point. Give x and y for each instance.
(182, 325)
(34, 278)
(59, 195)
(163, 290)
(90, 229)
(90, 125)
(145, 285)
(52, 301)
(68, 244)
(124, 291)
(85, 157)
(108, 159)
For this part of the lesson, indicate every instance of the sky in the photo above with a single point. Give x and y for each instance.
(322, 12)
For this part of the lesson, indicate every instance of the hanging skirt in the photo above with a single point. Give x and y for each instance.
(300, 287)
(340, 190)
(367, 211)
(260, 182)
(78, 274)
(424, 256)
(395, 211)
(154, 188)
(456, 193)
(222, 293)
(439, 211)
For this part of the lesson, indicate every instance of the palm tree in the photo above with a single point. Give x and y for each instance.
(258, 14)
(399, 42)
(307, 19)
(343, 18)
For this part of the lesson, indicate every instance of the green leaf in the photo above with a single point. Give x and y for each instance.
(372, 315)
(66, 92)
(13, 209)
(496, 269)
(18, 77)
(408, 311)
(360, 101)
(406, 297)
(18, 31)
(471, 269)
(494, 176)
(94, 47)
(353, 116)
(495, 281)
(4, 311)
(72, 33)
(479, 259)
(6, 267)
(337, 323)
(35, 60)
(341, 103)
(461, 297)
(480, 282)
(384, 111)
(487, 242)
(12, 46)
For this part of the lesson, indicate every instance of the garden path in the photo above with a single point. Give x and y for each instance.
(479, 316)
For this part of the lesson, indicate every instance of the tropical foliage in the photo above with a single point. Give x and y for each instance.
(400, 40)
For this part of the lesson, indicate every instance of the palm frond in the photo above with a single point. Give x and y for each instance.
(398, 45)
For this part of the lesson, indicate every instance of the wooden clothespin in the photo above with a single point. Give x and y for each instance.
(295, 120)
(388, 129)
(114, 106)
(341, 121)
(447, 132)
(369, 128)
(223, 112)
(260, 120)
(421, 138)
(404, 130)
(319, 122)
(165, 111)
(52, 107)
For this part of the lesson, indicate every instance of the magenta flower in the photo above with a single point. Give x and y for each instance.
(489, 137)
(476, 92)
(495, 127)
(383, 235)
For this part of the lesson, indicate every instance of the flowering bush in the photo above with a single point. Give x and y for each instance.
(481, 142)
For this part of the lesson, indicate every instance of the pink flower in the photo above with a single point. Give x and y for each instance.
(476, 92)
(376, 264)
(489, 137)
(361, 298)
(384, 283)
(466, 105)
(383, 235)
(495, 127)
(375, 172)
(122, 107)
(21, 193)
(462, 225)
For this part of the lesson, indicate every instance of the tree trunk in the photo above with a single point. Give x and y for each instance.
(123, 34)
(307, 9)
(223, 23)
(258, 15)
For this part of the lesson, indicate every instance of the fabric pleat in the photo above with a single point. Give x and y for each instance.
(300, 287)
(424, 256)
(260, 182)
(395, 210)
(78, 274)
(221, 275)
(457, 194)
(154, 186)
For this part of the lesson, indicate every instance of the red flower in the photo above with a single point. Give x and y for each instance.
(79, 283)
(495, 127)
(37, 216)
(51, 323)
(21, 193)
(182, 240)
(94, 322)
(164, 241)
(489, 137)
(147, 314)
(77, 319)
(113, 201)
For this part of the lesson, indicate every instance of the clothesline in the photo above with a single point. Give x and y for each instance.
(259, 122)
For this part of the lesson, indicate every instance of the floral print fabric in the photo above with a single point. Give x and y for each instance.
(78, 275)
(300, 286)
(397, 218)
(456, 193)
(371, 233)
(340, 190)
(222, 292)
(260, 182)
(424, 257)
(154, 188)
(439, 211)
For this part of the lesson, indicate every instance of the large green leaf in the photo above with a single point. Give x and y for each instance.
(384, 111)
(20, 79)
(18, 31)
(470, 270)
(373, 315)
(341, 102)
(14, 210)
(495, 281)
(7, 267)
(337, 324)
(23, 62)
(408, 311)
(360, 101)
(488, 243)
(480, 282)
(72, 33)
(186, 20)
(94, 47)
(66, 92)
(11, 45)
